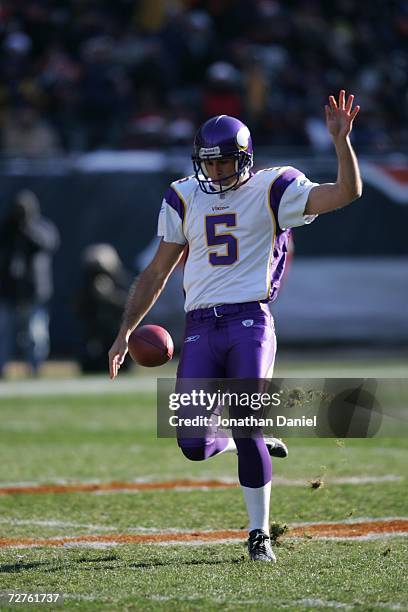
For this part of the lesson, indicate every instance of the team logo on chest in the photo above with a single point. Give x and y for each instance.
(248, 322)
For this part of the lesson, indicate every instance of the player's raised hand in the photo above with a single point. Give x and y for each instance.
(117, 355)
(340, 115)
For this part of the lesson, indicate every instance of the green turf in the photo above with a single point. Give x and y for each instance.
(209, 577)
(108, 437)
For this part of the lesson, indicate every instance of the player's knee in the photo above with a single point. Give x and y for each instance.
(194, 454)
(195, 451)
(249, 447)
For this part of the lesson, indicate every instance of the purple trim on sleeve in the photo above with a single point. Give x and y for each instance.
(175, 202)
(278, 188)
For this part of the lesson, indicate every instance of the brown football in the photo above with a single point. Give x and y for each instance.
(150, 345)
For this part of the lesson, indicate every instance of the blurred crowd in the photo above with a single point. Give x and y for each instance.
(80, 75)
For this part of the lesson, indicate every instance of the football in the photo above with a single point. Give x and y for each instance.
(150, 345)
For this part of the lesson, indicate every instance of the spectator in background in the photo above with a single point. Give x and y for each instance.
(256, 87)
(27, 244)
(27, 134)
(102, 296)
(104, 94)
(147, 128)
(60, 79)
(222, 95)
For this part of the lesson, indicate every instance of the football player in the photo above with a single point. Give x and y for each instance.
(236, 225)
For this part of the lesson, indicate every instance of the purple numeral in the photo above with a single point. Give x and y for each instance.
(215, 239)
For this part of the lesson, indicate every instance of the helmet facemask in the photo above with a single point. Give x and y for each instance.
(243, 163)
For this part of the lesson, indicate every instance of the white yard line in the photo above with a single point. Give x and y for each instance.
(113, 544)
(369, 536)
(318, 603)
(140, 529)
(197, 486)
(351, 521)
(95, 545)
(109, 528)
(128, 384)
(312, 603)
(198, 542)
(55, 523)
(276, 482)
(76, 386)
(353, 480)
(78, 597)
(71, 540)
(69, 480)
(322, 603)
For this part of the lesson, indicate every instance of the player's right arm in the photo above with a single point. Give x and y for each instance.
(142, 295)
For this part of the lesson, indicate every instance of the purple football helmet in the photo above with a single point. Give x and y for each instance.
(222, 137)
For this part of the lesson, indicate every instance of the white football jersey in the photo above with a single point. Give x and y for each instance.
(237, 241)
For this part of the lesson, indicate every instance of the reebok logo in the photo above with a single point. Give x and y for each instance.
(219, 207)
(191, 338)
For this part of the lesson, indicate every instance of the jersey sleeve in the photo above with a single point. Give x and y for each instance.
(289, 194)
(171, 218)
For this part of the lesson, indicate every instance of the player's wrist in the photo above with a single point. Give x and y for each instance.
(342, 143)
(124, 332)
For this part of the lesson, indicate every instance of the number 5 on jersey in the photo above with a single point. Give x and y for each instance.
(221, 239)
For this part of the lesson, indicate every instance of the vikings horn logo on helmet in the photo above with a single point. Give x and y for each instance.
(243, 137)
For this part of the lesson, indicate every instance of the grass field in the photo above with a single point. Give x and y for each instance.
(114, 548)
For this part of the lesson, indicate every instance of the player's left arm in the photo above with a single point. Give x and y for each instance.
(348, 187)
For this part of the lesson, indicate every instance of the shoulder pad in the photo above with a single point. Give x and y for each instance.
(185, 187)
(270, 173)
(266, 176)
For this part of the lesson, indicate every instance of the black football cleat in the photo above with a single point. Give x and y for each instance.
(259, 546)
(276, 448)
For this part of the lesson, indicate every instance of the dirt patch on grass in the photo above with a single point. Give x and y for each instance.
(316, 531)
(183, 483)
